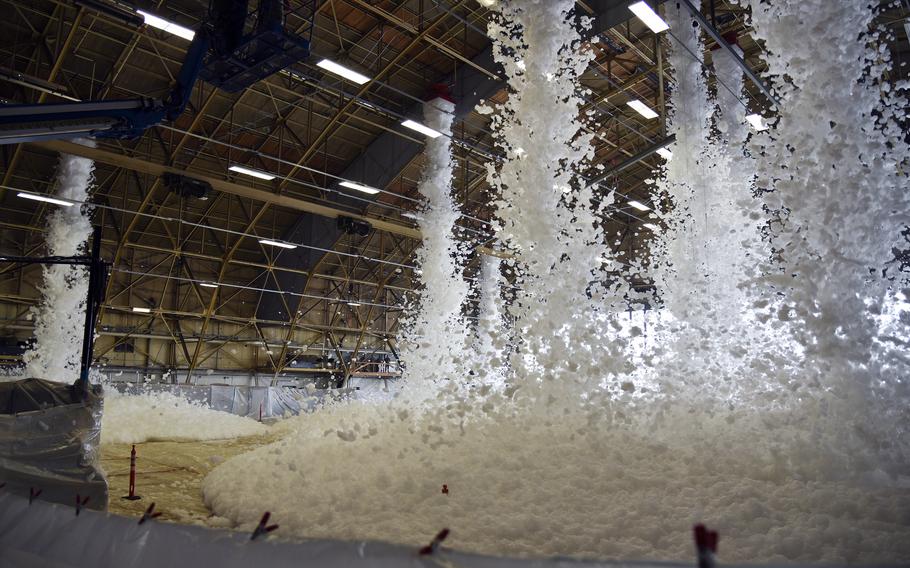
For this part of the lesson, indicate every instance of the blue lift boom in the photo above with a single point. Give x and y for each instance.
(238, 49)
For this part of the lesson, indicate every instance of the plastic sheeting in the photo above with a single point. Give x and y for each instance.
(374, 389)
(49, 438)
(42, 534)
(240, 400)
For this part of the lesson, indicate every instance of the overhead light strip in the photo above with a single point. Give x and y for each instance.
(642, 109)
(277, 244)
(44, 198)
(164, 25)
(426, 130)
(253, 173)
(343, 71)
(359, 187)
(650, 18)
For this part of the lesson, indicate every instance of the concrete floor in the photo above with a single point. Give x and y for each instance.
(169, 474)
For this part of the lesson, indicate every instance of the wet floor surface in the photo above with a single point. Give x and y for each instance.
(170, 475)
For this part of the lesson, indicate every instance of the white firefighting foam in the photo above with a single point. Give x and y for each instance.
(768, 399)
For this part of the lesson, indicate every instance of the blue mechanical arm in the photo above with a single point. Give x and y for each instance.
(237, 49)
(103, 119)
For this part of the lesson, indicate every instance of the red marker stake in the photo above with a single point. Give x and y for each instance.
(434, 546)
(705, 545)
(132, 496)
(264, 527)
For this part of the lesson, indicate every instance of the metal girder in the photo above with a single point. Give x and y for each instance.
(635, 159)
(385, 158)
(318, 231)
(715, 35)
(381, 162)
(58, 63)
(610, 13)
(145, 166)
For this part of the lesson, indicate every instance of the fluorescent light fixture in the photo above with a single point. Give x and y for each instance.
(757, 122)
(343, 71)
(36, 197)
(487, 3)
(142, 310)
(649, 17)
(665, 153)
(639, 205)
(169, 27)
(421, 128)
(277, 244)
(249, 172)
(359, 187)
(651, 226)
(353, 304)
(208, 285)
(642, 109)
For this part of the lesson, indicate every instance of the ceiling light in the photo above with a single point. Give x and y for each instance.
(277, 244)
(639, 205)
(409, 215)
(249, 172)
(359, 187)
(649, 17)
(208, 285)
(651, 226)
(421, 128)
(353, 304)
(642, 109)
(757, 122)
(142, 310)
(487, 3)
(164, 25)
(665, 153)
(36, 197)
(343, 71)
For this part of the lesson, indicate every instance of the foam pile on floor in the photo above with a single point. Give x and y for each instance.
(748, 408)
(149, 417)
(553, 483)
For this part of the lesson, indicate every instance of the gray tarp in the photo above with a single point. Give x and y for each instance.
(49, 438)
(43, 534)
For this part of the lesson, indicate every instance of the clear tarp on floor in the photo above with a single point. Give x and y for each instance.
(43, 534)
(49, 438)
